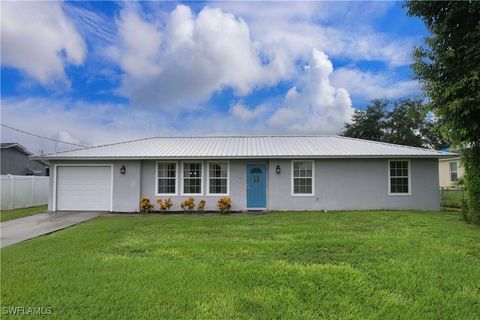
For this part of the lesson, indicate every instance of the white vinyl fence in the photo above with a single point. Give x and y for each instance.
(23, 191)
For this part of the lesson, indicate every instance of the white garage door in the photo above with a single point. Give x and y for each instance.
(84, 188)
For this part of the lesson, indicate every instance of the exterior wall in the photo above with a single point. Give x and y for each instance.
(340, 184)
(16, 163)
(126, 188)
(444, 172)
(237, 192)
(348, 184)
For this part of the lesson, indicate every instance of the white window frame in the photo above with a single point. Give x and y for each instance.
(292, 186)
(202, 172)
(208, 178)
(156, 179)
(409, 193)
(456, 170)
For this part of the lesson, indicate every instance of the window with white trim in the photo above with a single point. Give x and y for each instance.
(302, 177)
(218, 178)
(166, 178)
(192, 178)
(399, 177)
(453, 171)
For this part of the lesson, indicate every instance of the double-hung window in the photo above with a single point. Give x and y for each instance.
(218, 178)
(192, 178)
(303, 173)
(166, 178)
(399, 177)
(453, 171)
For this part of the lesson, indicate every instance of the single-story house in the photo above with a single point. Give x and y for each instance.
(256, 172)
(15, 161)
(450, 170)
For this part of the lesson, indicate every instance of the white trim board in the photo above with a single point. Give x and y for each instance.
(228, 179)
(292, 177)
(182, 178)
(409, 179)
(156, 179)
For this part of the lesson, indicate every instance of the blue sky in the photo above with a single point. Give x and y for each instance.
(101, 72)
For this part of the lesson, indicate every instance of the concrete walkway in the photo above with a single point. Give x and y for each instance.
(22, 229)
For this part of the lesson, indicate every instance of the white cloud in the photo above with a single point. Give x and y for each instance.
(140, 45)
(87, 123)
(289, 31)
(71, 121)
(368, 86)
(178, 60)
(37, 38)
(177, 66)
(317, 106)
(242, 112)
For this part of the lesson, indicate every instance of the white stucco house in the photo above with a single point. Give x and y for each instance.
(256, 172)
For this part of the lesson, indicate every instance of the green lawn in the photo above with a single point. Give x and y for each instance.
(297, 265)
(6, 215)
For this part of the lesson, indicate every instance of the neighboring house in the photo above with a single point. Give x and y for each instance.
(15, 161)
(450, 170)
(256, 172)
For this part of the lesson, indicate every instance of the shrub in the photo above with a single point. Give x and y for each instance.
(201, 206)
(472, 183)
(145, 205)
(188, 204)
(224, 205)
(165, 204)
(464, 208)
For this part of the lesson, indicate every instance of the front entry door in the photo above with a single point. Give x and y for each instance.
(256, 186)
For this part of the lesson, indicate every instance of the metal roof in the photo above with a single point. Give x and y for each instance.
(17, 146)
(240, 147)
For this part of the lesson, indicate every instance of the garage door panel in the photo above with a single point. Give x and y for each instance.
(86, 197)
(84, 188)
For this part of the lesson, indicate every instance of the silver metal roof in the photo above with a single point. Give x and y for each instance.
(240, 147)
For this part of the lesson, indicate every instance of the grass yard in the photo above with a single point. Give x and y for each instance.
(6, 215)
(296, 265)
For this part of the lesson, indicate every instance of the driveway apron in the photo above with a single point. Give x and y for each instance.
(22, 229)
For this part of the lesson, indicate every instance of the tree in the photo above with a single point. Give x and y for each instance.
(369, 123)
(448, 67)
(405, 122)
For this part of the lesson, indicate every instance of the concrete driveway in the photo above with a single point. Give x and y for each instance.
(22, 229)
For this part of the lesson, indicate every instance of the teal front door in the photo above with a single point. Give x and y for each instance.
(256, 186)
